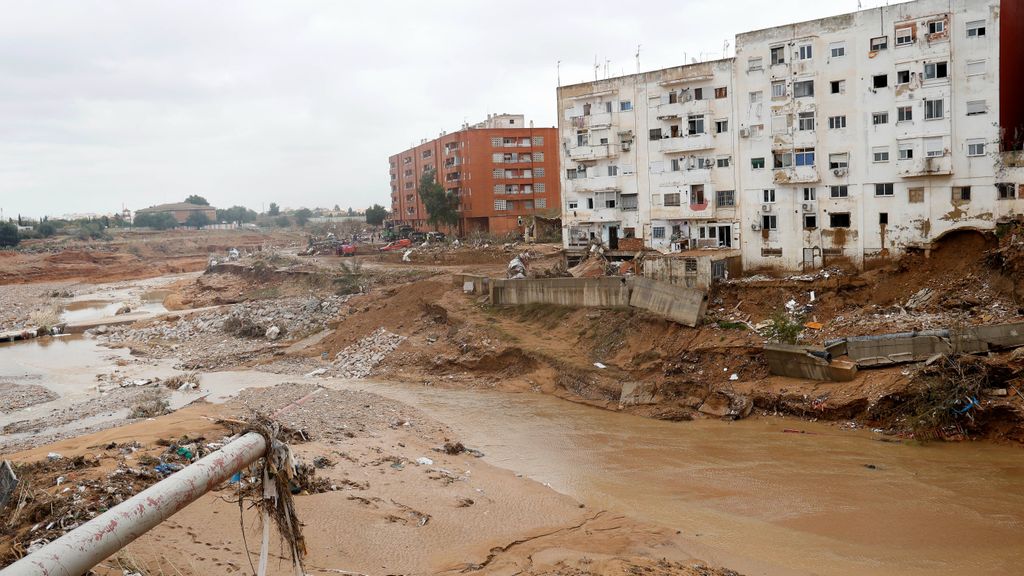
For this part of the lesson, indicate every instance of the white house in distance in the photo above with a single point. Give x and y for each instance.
(852, 137)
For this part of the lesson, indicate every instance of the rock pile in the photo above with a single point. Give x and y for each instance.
(359, 359)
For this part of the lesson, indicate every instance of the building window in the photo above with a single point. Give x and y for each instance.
(976, 107)
(839, 220)
(613, 170)
(779, 89)
(880, 80)
(933, 110)
(540, 187)
(756, 130)
(655, 133)
(902, 77)
(658, 232)
(961, 193)
(839, 160)
(879, 43)
(582, 138)
(803, 89)
(725, 198)
(572, 204)
(756, 163)
(538, 140)
(906, 151)
(754, 63)
(975, 147)
(723, 161)
(904, 36)
(905, 114)
(804, 52)
(769, 222)
(721, 126)
(841, 191)
(629, 202)
(880, 154)
(933, 147)
(672, 199)
(915, 195)
(810, 194)
(883, 218)
(590, 203)
(608, 107)
(804, 156)
(880, 118)
(755, 97)
(571, 174)
(976, 68)
(768, 195)
(836, 122)
(884, 189)
(837, 49)
(721, 92)
(935, 70)
(697, 195)
(625, 106)
(695, 124)
(805, 121)
(810, 221)
(837, 86)
(976, 29)
(782, 160)
(541, 203)
(1006, 190)
(500, 205)
(675, 165)
(936, 26)
(777, 55)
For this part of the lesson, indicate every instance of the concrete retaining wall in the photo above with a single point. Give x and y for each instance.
(919, 346)
(677, 303)
(799, 362)
(472, 284)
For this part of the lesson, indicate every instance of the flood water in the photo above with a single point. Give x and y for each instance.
(751, 497)
(95, 309)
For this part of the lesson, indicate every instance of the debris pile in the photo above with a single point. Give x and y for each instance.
(359, 359)
(18, 396)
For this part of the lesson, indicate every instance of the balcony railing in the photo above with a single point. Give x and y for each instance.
(593, 152)
(917, 167)
(687, 143)
(796, 175)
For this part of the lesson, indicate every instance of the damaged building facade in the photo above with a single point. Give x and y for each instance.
(851, 137)
(504, 172)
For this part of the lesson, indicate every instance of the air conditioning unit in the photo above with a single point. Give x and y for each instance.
(839, 171)
(581, 168)
(808, 207)
(755, 227)
(766, 208)
(625, 146)
(744, 133)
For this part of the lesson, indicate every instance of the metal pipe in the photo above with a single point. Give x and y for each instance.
(76, 552)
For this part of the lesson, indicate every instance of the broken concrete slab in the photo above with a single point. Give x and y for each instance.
(578, 292)
(638, 394)
(678, 303)
(810, 362)
(897, 348)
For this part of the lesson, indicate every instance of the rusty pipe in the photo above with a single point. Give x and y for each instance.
(76, 552)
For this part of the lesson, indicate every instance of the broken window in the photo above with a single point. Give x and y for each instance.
(837, 86)
(904, 36)
(803, 89)
(804, 156)
(976, 147)
(721, 92)
(779, 89)
(933, 109)
(778, 55)
(756, 163)
(768, 195)
(935, 70)
(902, 77)
(905, 114)
(810, 221)
(880, 80)
(976, 107)
(769, 222)
(810, 194)
(841, 191)
(976, 29)
(695, 124)
(837, 49)
(884, 189)
(839, 220)
(721, 126)
(805, 121)
(906, 151)
(804, 52)
(754, 63)
(879, 43)
(838, 160)
(961, 193)
(782, 159)
(1006, 190)
(655, 133)
(880, 118)
(697, 195)
(672, 199)
(725, 198)
(915, 195)
(880, 154)
(975, 67)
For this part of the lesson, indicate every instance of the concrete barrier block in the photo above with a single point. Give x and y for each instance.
(677, 303)
(798, 362)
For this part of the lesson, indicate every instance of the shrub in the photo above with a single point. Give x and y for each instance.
(783, 328)
(8, 234)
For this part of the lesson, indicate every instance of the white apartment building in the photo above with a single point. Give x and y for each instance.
(650, 156)
(853, 137)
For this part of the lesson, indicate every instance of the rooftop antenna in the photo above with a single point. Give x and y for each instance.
(638, 58)
(558, 71)
(596, 67)
(607, 65)
(725, 49)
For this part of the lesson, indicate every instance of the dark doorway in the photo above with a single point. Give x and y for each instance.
(613, 238)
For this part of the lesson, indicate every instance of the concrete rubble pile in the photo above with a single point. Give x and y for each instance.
(359, 359)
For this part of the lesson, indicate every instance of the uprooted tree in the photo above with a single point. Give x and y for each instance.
(442, 206)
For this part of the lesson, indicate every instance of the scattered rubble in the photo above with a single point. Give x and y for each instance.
(358, 360)
(18, 396)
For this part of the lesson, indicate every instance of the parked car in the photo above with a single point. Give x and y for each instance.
(418, 237)
(435, 236)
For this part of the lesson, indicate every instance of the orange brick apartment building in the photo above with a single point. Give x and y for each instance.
(502, 170)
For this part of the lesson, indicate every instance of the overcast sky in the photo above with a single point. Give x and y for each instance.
(104, 104)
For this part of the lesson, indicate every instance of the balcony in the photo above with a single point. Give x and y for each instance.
(682, 109)
(687, 143)
(796, 175)
(601, 120)
(682, 177)
(921, 167)
(590, 185)
(597, 152)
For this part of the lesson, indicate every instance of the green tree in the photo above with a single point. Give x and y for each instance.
(274, 209)
(236, 214)
(302, 215)
(158, 221)
(337, 208)
(442, 206)
(283, 221)
(198, 200)
(351, 212)
(8, 234)
(46, 229)
(197, 219)
(376, 214)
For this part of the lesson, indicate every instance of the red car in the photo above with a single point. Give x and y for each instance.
(396, 245)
